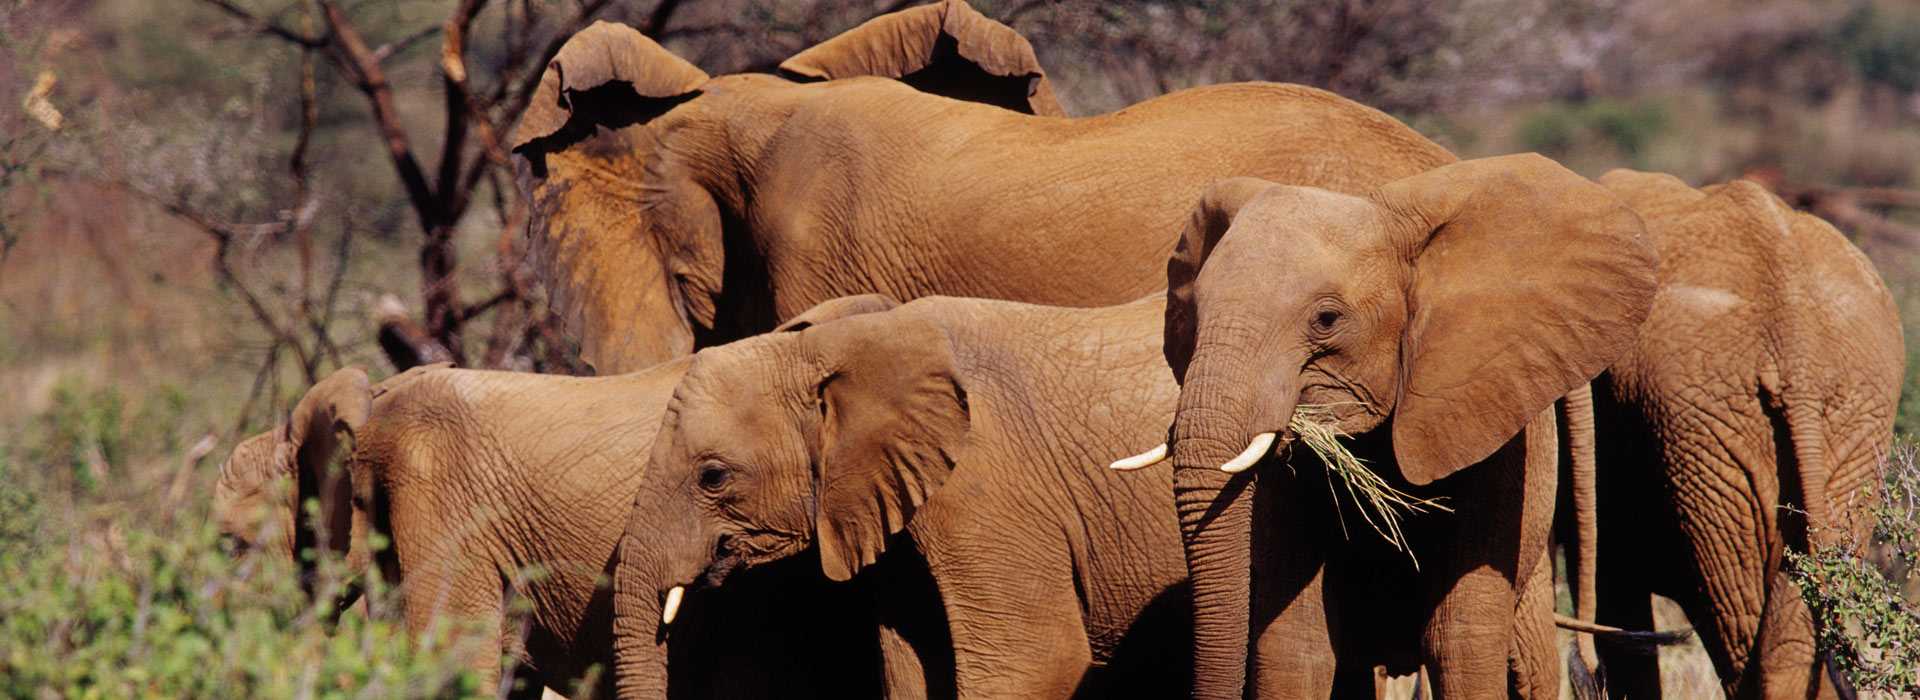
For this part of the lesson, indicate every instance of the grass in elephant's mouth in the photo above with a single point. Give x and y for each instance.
(1378, 502)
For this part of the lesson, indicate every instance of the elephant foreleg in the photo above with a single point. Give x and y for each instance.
(465, 601)
(1468, 637)
(1498, 548)
(1293, 646)
(1534, 658)
(1014, 619)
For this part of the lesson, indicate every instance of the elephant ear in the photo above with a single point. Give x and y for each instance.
(836, 309)
(607, 75)
(1209, 221)
(340, 403)
(580, 152)
(893, 413)
(1528, 280)
(946, 48)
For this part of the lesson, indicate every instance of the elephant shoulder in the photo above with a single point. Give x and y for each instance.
(418, 418)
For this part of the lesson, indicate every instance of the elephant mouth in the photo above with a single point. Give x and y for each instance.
(731, 553)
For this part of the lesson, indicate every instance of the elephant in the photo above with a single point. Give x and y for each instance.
(949, 455)
(1746, 420)
(673, 211)
(1437, 320)
(497, 486)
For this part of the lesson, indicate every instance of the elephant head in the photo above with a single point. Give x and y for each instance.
(1447, 308)
(620, 152)
(821, 435)
(257, 500)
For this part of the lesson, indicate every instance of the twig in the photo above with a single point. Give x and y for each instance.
(266, 27)
(352, 54)
(389, 49)
(475, 310)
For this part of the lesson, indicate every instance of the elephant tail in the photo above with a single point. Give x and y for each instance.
(1648, 639)
(1577, 417)
(1806, 428)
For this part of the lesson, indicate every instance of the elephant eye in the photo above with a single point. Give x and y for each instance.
(1325, 319)
(714, 477)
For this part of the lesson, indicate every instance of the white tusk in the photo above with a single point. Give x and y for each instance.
(1143, 460)
(1255, 450)
(672, 608)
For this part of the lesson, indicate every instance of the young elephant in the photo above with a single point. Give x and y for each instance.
(674, 211)
(950, 455)
(494, 486)
(1437, 319)
(1755, 404)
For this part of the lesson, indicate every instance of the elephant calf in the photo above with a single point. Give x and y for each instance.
(494, 486)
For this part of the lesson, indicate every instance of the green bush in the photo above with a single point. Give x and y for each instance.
(114, 609)
(82, 432)
(1625, 127)
(1861, 615)
(1882, 40)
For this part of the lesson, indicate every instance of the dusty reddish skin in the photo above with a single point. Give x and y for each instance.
(958, 448)
(675, 212)
(1443, 315)
(1767, 374)
(478, 477)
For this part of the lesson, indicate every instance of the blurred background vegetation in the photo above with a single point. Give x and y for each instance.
(203, 206)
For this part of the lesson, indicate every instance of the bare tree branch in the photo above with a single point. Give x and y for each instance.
(388, 50)
(504, 295)
(352, 54)
(265, 27)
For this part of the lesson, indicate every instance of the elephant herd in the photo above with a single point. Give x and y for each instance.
(788, 483)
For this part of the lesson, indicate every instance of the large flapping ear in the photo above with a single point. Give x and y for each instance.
(581, 150)
(607, 75)
(946, 48)
(1527, 281)
(836, 309)
(893, 415)
(1210, 219)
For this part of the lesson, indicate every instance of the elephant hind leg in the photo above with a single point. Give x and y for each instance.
(1788, 666)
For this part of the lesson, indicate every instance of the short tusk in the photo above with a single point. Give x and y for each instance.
(1143, 460)
(672, 608)
(1255, 450)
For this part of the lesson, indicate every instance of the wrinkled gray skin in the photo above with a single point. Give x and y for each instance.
(953, 453)
(1768, 370)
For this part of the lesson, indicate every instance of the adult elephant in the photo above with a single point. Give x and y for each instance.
(675, 211)
(496, 486)
(949, 456)
(1746, 420)
(1437, 319)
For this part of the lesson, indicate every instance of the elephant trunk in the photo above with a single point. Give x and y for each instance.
(640, 640)
(663, 552)
(1218, 416)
